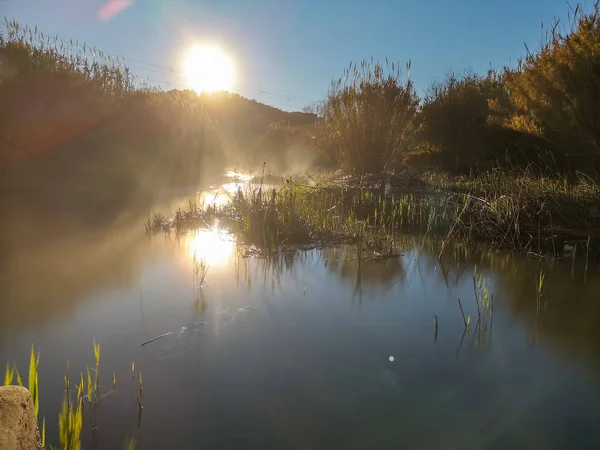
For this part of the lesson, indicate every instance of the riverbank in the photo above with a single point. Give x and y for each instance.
(513, 211)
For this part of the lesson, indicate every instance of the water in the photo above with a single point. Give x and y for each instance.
(305, 350)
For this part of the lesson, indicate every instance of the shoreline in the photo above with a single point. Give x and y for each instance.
(515, 212)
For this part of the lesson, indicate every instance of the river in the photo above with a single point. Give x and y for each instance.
(310, 349)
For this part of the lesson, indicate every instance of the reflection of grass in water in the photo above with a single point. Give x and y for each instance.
(485, 312)
(482, 296)
(130, 443)
(188, 334)
(539, 289)
(538, 300)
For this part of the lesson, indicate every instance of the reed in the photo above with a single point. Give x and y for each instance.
(12, 373)
(71, 414)
(368, 116)
(516, 211)
(199, 271)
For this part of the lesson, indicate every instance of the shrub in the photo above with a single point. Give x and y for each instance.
(368, 117)
(460, 123)
(556, 92)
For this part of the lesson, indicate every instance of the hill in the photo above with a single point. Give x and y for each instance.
(84, 135)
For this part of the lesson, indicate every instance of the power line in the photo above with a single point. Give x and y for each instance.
(180, 86)
(173, 73)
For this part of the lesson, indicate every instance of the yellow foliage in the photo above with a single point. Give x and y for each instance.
(557, 90)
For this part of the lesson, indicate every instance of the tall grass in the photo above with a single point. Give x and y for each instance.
(541, 113)
(71, 414)
(199, 270)
(32, 383)
(556, 90)
(70, 419)
(462, 127)
(513, 211)
(368, 115)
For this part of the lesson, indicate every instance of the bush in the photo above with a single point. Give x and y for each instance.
(454, 117)
(557, 92)
(462, 127)
(368, 117)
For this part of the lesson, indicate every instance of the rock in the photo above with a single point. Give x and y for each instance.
(18, 421)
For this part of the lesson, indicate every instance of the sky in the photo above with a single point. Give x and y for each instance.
(286, 52)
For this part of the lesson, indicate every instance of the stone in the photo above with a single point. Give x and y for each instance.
(18, 421)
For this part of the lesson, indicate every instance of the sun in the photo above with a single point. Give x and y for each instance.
(208, 69)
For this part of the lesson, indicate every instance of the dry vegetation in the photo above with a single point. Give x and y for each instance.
(368, 117)
(508, 157)
(541, 114)
(516, 211)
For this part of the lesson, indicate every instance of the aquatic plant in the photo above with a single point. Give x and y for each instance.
(70, 417)
(539, 291)
(32, 382)
(510, 211)
(199, 270)
(130, 443)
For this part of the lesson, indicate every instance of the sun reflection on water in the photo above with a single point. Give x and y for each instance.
(215, 246)
(239, 175)
(218, 198)
(223, 195)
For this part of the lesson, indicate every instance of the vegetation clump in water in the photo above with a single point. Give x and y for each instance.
(514, 211)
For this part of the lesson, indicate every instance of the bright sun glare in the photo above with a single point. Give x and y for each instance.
(208, 69)
(214, 246)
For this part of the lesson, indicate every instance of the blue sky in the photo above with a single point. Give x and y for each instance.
(288, 51)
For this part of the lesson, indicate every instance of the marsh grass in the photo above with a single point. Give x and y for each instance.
(484, 303)
(140, 396)
(130, 443)
(70, 418)
(528, 211)
(199, 271)
(539, 291)
(368, 116)
(519, 211)
(12, 373)
(482, 299)
(71, 414)
(555, 89)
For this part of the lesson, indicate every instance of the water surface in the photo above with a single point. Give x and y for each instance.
(308, 350)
